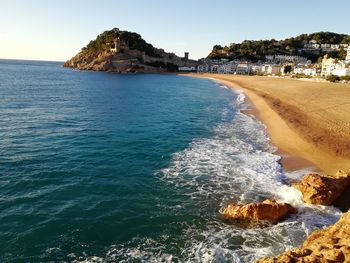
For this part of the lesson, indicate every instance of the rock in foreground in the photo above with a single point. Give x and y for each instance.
(268, 210)
(331, 244)
(323, 189)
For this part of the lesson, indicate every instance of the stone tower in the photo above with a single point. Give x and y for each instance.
(186, 55)
(116, 45)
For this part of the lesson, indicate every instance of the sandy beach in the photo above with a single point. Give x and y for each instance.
(308, 121)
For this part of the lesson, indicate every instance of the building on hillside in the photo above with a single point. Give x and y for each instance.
(256, 69)
(228, 68)
(286, 59)
(331, 66)
(309, 70)
(335, 46)
(299, 70)
(187, 69)
(328, 65)
(243, 68)
(203, 68)
(312, 71)
(115, 46)
(341, 72)
(222, 66)
(312, 45)
(342, 68)
(325, 46)
(270, 69)
(348, 54)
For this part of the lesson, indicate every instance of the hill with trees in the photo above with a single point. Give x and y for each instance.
(133, 54)
(255, 50)
(130, 39)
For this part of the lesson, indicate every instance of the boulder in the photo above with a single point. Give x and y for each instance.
(268, 210)
(323, 189)
(331, 244)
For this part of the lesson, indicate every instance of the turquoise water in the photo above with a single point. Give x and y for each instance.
(101, 167)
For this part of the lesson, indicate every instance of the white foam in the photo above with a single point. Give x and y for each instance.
(237, 165)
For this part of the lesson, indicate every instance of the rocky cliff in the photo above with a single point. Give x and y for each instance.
(321, 189)
(123, 51)
(326, 245)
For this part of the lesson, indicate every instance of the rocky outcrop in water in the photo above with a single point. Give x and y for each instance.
(268, 210)
(331, 244)
(323, 189)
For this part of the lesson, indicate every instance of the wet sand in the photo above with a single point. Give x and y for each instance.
(308, 121)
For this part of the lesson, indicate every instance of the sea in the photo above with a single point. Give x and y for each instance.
(105, 167)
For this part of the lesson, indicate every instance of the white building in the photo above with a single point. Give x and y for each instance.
(243, 68)
(312, 45)
(328, 65)
(187, 69)
(308, 70)
(335, 46)
(341, 72)
(222, 66)
(331, 66)
(271, 69)
(312, 72)
(256, 69)
(299, 70)
(348, 54)
(228, 68)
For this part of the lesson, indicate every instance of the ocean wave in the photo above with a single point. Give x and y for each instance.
(237, 164)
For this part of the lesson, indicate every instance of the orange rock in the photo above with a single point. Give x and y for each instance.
(331, 244)
(323, 189)
(268, 210)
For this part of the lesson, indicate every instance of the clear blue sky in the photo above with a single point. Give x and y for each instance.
(57, 30)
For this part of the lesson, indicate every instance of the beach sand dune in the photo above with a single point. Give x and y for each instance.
(308, 119)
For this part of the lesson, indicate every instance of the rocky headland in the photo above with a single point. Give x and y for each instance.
(124, 52)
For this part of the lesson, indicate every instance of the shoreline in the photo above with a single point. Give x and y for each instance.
(296, 151)
(290, 163)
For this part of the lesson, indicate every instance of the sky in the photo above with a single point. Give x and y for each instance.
(57, 30)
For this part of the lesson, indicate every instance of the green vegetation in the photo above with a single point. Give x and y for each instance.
(345, 78)
(333, 78)
(287, 69)
(130, 39)
(301, 76)
(257, 50)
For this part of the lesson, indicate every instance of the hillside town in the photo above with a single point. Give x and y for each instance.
(283, 65)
